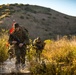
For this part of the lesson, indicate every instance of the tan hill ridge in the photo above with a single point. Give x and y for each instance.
(40, 21)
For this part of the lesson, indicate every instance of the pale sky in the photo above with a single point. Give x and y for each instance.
(64, 6)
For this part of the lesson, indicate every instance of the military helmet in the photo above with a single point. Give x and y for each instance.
(38, 38)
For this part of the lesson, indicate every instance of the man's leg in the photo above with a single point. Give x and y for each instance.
(23, 53)
(17, 63)
(23, 58)
(38, 55)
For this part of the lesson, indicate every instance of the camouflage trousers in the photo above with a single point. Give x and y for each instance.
(38, 55)
(20, 55)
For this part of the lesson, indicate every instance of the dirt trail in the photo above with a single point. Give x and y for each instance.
(8, 68)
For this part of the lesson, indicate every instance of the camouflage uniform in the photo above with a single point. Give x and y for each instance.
(21, 37)
(38, 45)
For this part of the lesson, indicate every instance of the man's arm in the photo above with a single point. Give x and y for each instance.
(11, 41)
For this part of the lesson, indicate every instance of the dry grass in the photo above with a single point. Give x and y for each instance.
(60, 58)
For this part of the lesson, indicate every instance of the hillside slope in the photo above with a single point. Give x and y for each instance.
(39, 21)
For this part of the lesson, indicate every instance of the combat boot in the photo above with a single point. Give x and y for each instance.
(18, 67)
(23, 66)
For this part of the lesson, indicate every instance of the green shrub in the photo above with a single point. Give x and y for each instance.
(3, 48)
(66, 17)
(22, 17)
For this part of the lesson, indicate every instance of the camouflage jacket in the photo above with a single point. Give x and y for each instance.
(38, 45)
(20, 36)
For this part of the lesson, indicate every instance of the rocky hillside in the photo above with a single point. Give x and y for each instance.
(39, 21)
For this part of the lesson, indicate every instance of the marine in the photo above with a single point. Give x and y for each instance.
(38, 45)
(19, 38)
